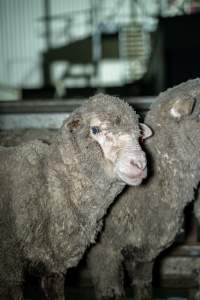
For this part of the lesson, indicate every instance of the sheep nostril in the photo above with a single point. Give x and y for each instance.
(139, 164)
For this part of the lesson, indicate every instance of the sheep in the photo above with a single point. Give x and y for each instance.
(145, 219)
(54, 196)
(15, 137)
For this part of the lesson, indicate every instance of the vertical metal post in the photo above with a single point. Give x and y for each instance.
(47, 14)
(96, 37)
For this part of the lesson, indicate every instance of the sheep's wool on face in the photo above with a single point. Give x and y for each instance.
(118, 138)
(109, 127)
(121, 150)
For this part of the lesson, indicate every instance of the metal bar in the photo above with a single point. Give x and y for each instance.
(68, 105)
(47, 14)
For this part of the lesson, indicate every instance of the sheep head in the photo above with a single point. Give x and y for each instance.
(182, 107)
(185, 114)
(175, 118)
(106, 133)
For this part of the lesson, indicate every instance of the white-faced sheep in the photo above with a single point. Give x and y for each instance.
(53, 197)
(145, 220)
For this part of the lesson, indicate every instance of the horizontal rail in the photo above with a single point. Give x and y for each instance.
(65, 105)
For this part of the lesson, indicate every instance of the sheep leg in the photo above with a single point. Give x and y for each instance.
(106, 270)
(195, 294)
(143, 291)
(8, 292)
(143, 281)
(110, 283)
(197, 205)
(53, 287)
(141, 277)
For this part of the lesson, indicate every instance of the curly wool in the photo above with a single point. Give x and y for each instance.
(51, 194)
(145, 220)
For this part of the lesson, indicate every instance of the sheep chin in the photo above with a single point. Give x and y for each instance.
(131, 167)
(132, 180)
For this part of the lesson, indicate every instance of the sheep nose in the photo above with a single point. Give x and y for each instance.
(140, 164)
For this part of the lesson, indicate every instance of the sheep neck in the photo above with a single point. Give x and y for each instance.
(163, 197)
(77, 203)
(176, 161)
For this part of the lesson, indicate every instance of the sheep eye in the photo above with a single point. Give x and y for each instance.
(95, 130)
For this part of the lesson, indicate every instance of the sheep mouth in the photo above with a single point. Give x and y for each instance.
(133, 178)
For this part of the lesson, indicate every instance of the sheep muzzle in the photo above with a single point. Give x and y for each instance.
(131, 166)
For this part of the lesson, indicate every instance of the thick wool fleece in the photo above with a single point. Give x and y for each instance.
(15, 137)
(53, 196)
(145, 219)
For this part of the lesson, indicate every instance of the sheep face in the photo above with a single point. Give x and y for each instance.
(121, 150)
(105, 132)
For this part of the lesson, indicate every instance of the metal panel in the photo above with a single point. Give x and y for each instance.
(22, 36)
(50, 114)
(33, 120)
(20, 42)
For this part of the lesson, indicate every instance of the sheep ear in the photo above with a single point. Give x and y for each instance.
(182, 107)
(146, 131)
(74, 123)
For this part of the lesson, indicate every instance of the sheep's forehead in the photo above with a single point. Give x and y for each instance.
(110, 107)
(115, 124)
(95, 121)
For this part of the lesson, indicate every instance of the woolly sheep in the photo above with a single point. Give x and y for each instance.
(15, 137)
(53, 197)
(145, 220)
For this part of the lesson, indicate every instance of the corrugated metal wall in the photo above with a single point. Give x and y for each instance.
(22, 36)
(20, 41)
(70, 19)
(23, 32)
